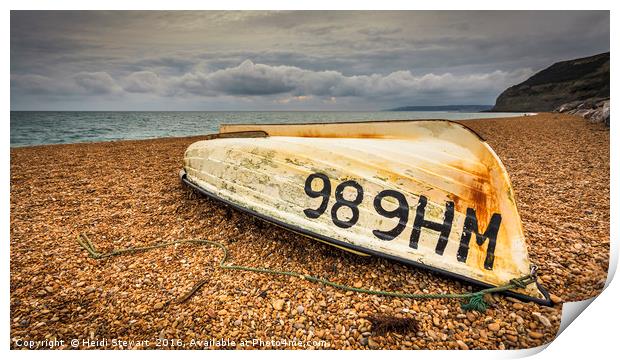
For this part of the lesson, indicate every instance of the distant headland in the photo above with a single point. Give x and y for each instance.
(578, 86)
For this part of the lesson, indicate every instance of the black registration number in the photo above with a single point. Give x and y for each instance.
(402, 213)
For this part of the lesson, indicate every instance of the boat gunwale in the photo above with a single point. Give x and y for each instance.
(353, 122)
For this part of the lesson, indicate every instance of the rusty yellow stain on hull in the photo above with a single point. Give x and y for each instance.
(431, 192)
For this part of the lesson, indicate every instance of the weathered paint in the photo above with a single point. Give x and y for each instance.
(436, 170)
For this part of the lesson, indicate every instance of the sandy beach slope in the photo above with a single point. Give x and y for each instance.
(125, 194)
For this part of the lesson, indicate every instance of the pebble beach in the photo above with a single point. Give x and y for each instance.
(127, 193)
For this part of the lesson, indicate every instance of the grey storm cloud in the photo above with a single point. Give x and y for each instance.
(245, 79)
(33, 84)
(251, 79)
(142, 82)
(374, 31)
(96, 82)
(277, 59)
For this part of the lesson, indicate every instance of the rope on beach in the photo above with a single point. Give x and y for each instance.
(476, 299)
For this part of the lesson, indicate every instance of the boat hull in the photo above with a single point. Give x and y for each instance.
(426, 193)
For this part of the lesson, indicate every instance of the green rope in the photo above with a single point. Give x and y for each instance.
(476, 299)
(476, 302)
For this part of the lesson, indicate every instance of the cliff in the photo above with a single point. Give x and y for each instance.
(578, 80)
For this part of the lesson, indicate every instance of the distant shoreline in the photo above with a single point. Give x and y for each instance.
(455, 108)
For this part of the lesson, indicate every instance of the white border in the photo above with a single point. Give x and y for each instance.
(591, 335)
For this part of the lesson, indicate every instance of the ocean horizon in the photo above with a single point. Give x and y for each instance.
(31, 128)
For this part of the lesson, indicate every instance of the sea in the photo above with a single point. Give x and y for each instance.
(29, 128)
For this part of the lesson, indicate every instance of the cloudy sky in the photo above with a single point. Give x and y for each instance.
(208, 60)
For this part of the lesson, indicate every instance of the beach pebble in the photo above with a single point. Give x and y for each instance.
(543, 319)
(278, 304)
(470, 316)
(462, 345)
(493, 327)
(555, 299)
(535, 335)
(511, 338)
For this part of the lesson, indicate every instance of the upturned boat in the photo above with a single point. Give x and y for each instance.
(430, 193)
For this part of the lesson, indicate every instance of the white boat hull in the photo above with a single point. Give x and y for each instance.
(430, 193)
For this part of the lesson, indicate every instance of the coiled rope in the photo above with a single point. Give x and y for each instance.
(476, 299)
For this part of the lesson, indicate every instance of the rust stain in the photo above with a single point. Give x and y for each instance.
(357, 135)
(481, 198)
